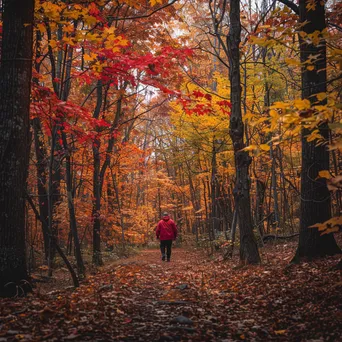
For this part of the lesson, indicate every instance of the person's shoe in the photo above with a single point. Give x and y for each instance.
(163, 258)
(168, 260)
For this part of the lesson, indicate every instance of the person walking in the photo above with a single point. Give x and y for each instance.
(166, 232)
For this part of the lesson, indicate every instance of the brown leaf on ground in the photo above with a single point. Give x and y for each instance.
(143, 298)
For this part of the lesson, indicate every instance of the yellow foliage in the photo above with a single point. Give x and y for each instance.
(262, 41)
(314, 135)
(302, 104)
(335, 51)
(280, 105)
(331, 230)
(68, 28)
(89, 58)
(52, 43)
(265, 147)
(274, 114)
(321, 96)
(324, 174)
(41, 27)
(51, 10)
(329, 226)
(289, 118)
(250, 148)
(315, 37)
(154, 2)
(292, 61)
(69, 41)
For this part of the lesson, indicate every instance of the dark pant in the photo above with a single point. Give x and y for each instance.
(166, 244)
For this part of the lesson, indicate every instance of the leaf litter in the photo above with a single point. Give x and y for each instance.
(193, 298)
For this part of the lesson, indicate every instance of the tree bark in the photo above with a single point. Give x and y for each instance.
(71, 207)
(248, 247)
(100, 171)
(41, 155)
(97, 258)
(214, 217)
(15, 87)
(315, 196)
(54, 167)
(259, 207)
(58, 248)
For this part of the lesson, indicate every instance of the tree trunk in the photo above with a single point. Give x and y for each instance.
(276, 221)
(54, 181)
(315, 197)
(15, 86)
(97, 258)
(53, 195)
(118, 200)
(259, 208)
(71, 207)
(42, 157)
(59, 250)
(233, 232)
(214, 217)
(100, 171)
(42, 166)
(195, 200)
(248, 247)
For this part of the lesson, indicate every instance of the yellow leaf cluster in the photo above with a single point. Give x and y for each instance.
(52, 43)
(302, 104)
(324, 174)
(265, 147)
(257, 149)
(89, 58)
(314, 135)
(51, 10)
(292, 61)
(262, 41)
(155, 2)
(329, 226)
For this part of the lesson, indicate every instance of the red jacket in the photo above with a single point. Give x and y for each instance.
(166, 229)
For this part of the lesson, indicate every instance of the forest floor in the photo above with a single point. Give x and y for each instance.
(192, 298)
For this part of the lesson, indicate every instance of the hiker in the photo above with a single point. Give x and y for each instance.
(166, 232)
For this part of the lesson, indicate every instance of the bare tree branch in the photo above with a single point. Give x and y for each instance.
(145, 15)
(291, 5)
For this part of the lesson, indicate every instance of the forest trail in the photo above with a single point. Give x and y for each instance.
(192, 298)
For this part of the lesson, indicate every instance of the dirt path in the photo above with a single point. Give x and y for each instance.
(160, 299)
(191, 298)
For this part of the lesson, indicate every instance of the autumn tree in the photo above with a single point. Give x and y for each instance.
(15, 84)
(315, 197)
(91, 72)
(248, 247)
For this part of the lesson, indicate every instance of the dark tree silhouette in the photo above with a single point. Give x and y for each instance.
(315, 196)
(15, 80)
